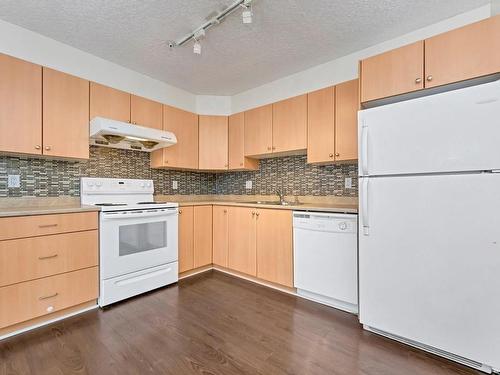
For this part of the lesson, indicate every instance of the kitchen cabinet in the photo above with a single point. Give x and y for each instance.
(346, 120)
(220, 235)
(274, 246)
(65, 115)
(242, 254)
(213, 143)
(236, 146)
(184, 154)
(290, 124)
(109, 103)
(202, 242)
(145, 112)
(395, 72)
(259, 131)
(186, 239)
(321, 126)
(332, 123)
(464, 53)
(21, 98)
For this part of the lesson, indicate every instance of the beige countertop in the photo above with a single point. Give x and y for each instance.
(318, 204)
(41, 206)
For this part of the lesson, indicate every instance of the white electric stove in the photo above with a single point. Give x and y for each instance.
(138, 237)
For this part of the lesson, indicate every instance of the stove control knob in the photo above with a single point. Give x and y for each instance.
(148, 184)
(143, 184)
(98, 183)
(343, 226)
(90, 183)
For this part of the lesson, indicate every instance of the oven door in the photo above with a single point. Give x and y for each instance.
(136, 240)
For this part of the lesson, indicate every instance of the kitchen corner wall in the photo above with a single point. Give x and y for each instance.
(52, 178)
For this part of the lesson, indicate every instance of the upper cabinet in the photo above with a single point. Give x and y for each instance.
(332, 123)
(184, 154)
(145, 112)
(65, 115)
(259, 131)
(236, 147)
(468, 52)
(21, 98)
(290, 124)
(109, 103)
(213, 143)
(346, 120)
(392, 73)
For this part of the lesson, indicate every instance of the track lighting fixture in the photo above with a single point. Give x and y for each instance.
(199, 33)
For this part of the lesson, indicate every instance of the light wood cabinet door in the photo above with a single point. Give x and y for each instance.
(242, 254)
(394, 72)
(145, 112)
(213, 141)
(346, 120)
(186, 248)
(65, 115)
(259, 131)
(321, 126)
(184, 154)
(220, 235)
(274, 246)
(21, 113)
(109, 103)
(236, 147)
(468, 52)
(290, 124)
(202, 236)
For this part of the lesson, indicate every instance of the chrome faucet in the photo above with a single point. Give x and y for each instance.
(281, 195)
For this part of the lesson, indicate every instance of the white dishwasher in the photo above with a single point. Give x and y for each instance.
(326, 258)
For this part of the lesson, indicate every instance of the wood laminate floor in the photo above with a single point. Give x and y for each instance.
(214, 324)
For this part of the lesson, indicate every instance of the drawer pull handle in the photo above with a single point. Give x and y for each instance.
(47, 297)
(47, 226)
(48, 257)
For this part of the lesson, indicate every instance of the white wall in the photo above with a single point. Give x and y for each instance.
(344, 68)
(27, 45)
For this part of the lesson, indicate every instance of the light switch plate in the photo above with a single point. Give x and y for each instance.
(175, 185)
(348, 183)
(13, 181)
(248, 184)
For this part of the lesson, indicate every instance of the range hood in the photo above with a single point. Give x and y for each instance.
(116, 134)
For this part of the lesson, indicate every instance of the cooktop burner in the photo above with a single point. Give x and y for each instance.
(110, 204)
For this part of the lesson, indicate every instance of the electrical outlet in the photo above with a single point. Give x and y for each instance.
(13, 181)
(175, 185)
(348, 183)
(248, 184)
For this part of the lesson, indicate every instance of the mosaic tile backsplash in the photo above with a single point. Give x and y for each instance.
(52, 178)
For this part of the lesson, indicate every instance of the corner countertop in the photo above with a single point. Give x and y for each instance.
(25, 206)
(307, 203)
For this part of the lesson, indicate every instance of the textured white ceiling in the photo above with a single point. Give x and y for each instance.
(286, 36)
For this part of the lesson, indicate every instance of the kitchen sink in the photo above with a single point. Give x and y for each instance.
(275, 203)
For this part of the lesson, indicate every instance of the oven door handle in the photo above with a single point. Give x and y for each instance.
(134, 215)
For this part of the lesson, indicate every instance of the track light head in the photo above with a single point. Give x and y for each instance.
(197, 47)
(246, 15)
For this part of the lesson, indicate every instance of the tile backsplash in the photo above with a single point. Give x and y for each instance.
(51, 178)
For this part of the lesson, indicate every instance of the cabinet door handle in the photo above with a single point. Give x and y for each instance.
(257, 214)
(253, 213)
(180, 212)
(47, 297)
(337, 154)
(37, 147)
(225, 211)
(241, 164)
(331, 155)
(48, 257)
(47, 148)
(418, 80)
(429, 78)
(269, 149)
(47, 226)
(274, 148)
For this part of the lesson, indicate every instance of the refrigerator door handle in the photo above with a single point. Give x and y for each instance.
(364, 207)
(364, 149)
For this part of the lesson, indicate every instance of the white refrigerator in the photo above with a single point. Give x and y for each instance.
(429, 225)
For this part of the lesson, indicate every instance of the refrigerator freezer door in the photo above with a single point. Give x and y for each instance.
(448, 132)
(428, 267)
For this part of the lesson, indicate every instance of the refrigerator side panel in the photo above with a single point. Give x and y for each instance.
(429, 255)
(448, 132)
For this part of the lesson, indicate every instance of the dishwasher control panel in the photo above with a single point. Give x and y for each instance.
(347, 223)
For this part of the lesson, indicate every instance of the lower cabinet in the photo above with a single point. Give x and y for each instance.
(195, 237)
(274, 246)
(220, 242)
(242, 254)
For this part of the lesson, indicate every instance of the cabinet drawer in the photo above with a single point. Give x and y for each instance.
(25, 301)
(32, 258)
(39, 225)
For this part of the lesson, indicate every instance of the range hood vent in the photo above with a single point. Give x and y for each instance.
(116, 134)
